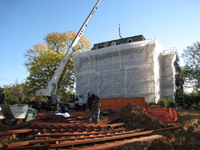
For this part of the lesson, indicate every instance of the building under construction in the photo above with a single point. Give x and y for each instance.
(128, 67)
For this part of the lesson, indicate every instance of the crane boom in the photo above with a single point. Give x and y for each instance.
(52, 84)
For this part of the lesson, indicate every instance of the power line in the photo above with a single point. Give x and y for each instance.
(5, 79)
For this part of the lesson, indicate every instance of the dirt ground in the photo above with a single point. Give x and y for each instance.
(186, 138)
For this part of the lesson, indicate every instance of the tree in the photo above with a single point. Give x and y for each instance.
(43, 60)
(191, 70)
(9, 98)
(15, 93)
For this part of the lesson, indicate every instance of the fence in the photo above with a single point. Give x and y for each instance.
(118, 103)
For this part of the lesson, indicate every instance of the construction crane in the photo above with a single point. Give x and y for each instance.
(50, 91)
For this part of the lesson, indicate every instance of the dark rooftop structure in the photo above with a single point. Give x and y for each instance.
(118, 42)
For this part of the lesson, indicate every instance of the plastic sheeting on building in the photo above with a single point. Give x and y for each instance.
(127, 70)
(168, 86)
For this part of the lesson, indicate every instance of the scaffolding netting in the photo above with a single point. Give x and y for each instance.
(128, 70)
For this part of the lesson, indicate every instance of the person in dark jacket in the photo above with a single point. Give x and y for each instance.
(93, 103)
(2, 96)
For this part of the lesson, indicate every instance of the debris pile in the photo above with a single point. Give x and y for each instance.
(135, 118)
(140, 131)
(187, 137)
(50, 135)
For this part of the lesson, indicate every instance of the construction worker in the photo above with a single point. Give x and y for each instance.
(2, 96)
(93, 103)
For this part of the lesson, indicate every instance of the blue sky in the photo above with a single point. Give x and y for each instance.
(23, 23)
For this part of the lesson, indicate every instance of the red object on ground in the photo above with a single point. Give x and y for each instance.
(161, 113)
(118, 103)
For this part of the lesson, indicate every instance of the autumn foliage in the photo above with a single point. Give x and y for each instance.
(43, 59)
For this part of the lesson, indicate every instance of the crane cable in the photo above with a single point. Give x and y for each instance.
(119, 21)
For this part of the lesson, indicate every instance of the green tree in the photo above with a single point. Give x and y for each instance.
(191, 70)
(15, 93)
(43, 60)
(9, 98)
(191, 100)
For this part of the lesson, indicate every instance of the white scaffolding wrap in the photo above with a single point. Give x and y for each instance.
(127, 70)
(168, 74)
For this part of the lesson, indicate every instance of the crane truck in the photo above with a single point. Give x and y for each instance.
(50, 91)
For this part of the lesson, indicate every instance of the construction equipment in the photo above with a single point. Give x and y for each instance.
(17, 113)
(74, 103)
(50, 91)
(14, 114)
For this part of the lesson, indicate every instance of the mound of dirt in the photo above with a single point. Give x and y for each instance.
(135, 118)
(186, 138)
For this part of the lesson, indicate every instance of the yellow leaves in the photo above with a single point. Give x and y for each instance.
(73, 34)
(43, 59)
(38, 47)
(60, 42)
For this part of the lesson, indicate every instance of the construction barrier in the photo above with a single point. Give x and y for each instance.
(118, 103)
(161, 113)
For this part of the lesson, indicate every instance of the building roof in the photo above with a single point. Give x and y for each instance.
(118, 42)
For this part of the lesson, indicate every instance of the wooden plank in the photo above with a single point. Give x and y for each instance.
(110, 119)
(115, 125)
(66, 143)
(167, 129)
(7, 132)
(20, 125)
(77, 133)
(69, 124)
(16, 145)
(121, 143)
(86, 141)
(74, 126)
